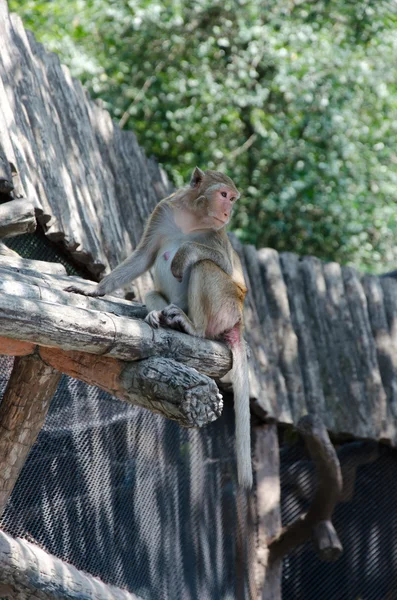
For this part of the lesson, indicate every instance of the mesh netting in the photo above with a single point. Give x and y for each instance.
(36, 246)
(366, 524)
(128, 496)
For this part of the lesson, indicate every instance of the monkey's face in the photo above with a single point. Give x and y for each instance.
(214, 200)
(221, 200)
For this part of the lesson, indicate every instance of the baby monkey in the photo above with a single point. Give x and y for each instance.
(198, 279)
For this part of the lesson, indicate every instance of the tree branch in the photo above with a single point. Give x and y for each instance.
(161, 385)
(316, 523)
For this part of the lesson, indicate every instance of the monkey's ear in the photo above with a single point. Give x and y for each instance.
(196, 178)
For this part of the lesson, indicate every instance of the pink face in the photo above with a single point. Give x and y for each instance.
(222, 202)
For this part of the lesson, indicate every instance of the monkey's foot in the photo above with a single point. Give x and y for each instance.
(83, 291)
(154, 319)
(173, 317)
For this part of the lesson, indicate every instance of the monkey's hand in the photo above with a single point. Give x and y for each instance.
(93, 291)
(184, 258)
(154, 319)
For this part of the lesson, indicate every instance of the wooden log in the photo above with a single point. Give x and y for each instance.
(163, 386)
(29, 266)
(27, 571)
(313, 397)
(326, 541)
(6, 251)
(80, 329)
(9, 347)
(267, 475)
(23, 409)
(17, 217)
(316, 523)
(6, 185)
(50, 289)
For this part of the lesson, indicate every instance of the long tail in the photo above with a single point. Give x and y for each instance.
(239, 375)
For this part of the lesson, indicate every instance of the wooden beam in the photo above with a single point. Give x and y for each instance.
(6, 185)
(49, 288)
(267, 476)
(73, 328)
(6, 251)
(23, 410)
(17, 217)
(161, 385)
(9, 347)
(29, 266)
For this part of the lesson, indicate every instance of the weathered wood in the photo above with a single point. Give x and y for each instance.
(313, 398)
(29, 266)
(28, 572)
(267, 476)
(6, 251)
(50, 289)
(23, 409)
(316, 523)
(351, 456)
(326, 541)
(6, 185)
(163, 386)
(290, 390)
(74, 328)
(367, 402)
(17, 217)
(9, 347)
(15, 123)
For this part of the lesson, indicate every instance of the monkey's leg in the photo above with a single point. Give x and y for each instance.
(214, 306)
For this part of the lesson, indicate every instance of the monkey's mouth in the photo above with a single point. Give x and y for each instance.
(220, 220)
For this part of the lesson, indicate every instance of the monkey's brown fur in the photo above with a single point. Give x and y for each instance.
(199, 282)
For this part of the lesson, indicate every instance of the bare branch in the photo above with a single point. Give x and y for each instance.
(316, 523)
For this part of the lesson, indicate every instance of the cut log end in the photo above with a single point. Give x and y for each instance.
(202, 405)
(326, 541)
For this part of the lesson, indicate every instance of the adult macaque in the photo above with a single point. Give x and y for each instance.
(199, 283)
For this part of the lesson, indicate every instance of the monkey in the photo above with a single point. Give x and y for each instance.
(199, 285)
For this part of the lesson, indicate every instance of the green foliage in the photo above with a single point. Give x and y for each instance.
(296, 100)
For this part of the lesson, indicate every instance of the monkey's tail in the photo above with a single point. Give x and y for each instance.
(239, 374)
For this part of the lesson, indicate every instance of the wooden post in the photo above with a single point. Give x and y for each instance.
(267, 474)
(23, 410)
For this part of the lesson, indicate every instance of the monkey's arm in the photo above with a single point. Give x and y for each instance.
(140, 260)
(191, 253)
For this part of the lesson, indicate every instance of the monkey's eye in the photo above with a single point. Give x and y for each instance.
(224, 194)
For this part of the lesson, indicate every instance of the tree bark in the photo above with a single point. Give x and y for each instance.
(50, 289)
(163, 386)
(316, 523)
(73, 328)
(17, 217)
(267, 474)
(23, 410)
(6, 185)
(29, 266)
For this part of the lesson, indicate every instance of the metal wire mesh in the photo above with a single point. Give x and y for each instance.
(36, 246)
(366, 524)
(128, 496)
